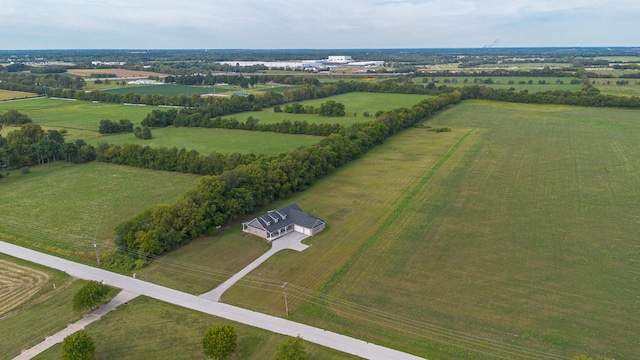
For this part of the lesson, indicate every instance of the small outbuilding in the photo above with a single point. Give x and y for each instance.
(276, 223)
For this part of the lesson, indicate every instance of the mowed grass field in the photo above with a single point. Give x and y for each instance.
(44, 310)
(502, 82)
(69, 207)
(11, 95)
(525, 237)
(149, 329)
(355, 103)
(206, 141)
(75, 115)
(609, 86)
(511, 236)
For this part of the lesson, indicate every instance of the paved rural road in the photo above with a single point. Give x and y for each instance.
(274, 324)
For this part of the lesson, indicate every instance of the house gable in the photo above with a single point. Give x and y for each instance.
(276, 223)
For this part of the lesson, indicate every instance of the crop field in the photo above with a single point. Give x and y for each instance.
(165, 331)
(43, 309)
(609, 86)
(11, 95)
(502, 82)
(124, 73)
(224, 141)
(175, 90)
(515, 238)
(355, 103)
(75, 115)
(68, 208)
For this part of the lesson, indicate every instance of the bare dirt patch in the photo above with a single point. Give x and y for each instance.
(18, 284)
(121, 73)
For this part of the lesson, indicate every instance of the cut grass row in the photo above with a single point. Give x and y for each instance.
(45, 312)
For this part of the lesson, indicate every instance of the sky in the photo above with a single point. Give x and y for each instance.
(320, 24)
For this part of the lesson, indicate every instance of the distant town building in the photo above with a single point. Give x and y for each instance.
(341, 59)
(108, 63)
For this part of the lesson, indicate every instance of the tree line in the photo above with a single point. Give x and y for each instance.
(218, 199)
(588, 96)
(30, 145)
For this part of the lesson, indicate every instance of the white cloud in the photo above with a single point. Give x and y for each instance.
(314, 24)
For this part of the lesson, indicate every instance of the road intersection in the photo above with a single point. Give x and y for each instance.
(271, 323)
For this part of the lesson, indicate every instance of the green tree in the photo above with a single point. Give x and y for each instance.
(90, 295)
(220, 342)
(146, 133)
(78, 346)
(291, 349)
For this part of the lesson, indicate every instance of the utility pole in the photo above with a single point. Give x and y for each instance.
(286, 304)
(95, 246)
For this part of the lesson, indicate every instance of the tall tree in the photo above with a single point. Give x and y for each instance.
(220, 342)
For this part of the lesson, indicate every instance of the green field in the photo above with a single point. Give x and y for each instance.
(523, 235)
(609, 86)
(355, 102)
(206, 141)
(502, 82)
(175, 90)
(75, 115)
(47, 311)
(68, 207)
(150, 329)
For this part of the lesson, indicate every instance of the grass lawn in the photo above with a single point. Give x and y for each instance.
(206, 262)
(150, 329)
(206, 141)
(11, 95)
(47, 310)
(68, 207)
(357, 103)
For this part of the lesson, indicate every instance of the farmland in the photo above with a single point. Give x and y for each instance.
(519, 83)
(75, 115)
(11, 95)
(122, 73)
(523, 235)
(68, 208)
(355, 103)
(224, 141)
(43, 309)
(175, 90)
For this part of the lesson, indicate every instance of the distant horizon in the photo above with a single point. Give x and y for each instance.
(612, 47)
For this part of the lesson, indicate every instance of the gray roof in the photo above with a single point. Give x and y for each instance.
(277, 219)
